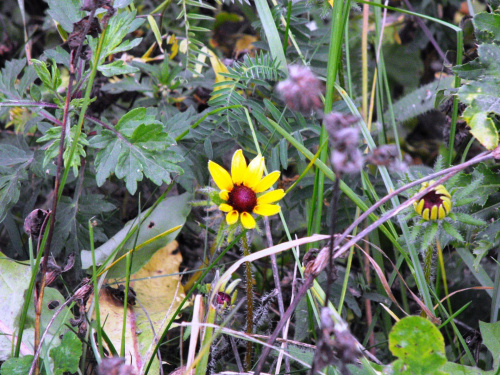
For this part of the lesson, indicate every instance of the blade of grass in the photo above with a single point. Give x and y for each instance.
(334, 54)
(272, 35)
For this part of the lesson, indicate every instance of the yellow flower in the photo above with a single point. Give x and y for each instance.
(435, 205)
(241, 190)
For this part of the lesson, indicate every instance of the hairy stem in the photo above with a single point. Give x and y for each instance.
(249, 285)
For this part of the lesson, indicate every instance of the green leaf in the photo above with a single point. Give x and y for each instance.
(10, 187)
(53, 136)
(428, 235)
(11, 155)
(482, 127)
(66, 12)
(419, 101)
(15, 281)
(140, 148)
(67, 355)
(468, 219)
(118, 27)
(490, 333)
(43, 72)
(487, 26)
(170, 213)
(116, 68)
(471, 70)
(17, 366)
(419, 346)
(450, 229)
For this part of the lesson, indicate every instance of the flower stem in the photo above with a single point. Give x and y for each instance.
(249, 285)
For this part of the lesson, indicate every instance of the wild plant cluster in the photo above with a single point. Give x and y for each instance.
(222, 187)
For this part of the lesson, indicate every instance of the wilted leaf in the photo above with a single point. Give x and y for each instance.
(158, 296)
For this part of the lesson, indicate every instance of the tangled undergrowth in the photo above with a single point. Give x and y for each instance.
(221, 187)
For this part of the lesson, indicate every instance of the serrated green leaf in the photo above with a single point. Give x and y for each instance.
(471, 70)
(53, 136)
(489, 23)
(42, 72)
(468, 219)
(117, 67)
(141, 148)
(67, 355)
(450, 229)
(428, 235)
(65, 12)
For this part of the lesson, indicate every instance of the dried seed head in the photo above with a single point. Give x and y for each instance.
(302, 90)
(349, 161)
(388, 156)
(115, 366)
(336, 120)
(34, 221)
(345, 139)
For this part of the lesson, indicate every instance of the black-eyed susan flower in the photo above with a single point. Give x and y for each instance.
(435, 205)
(241, 190)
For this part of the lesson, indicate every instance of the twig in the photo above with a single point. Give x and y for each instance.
(41, 287)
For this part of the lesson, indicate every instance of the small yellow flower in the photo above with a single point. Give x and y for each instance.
(240, 189)
(435, 205)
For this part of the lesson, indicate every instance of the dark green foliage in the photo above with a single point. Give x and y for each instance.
(137, 147)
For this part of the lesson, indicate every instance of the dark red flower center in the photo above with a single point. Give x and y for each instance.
(242, 199)
(432, 199)
(223, 297)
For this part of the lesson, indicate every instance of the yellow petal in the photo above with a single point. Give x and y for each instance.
(441, 190)
(225, 207)
(442, 213)
(271, 196)
(254, 172)
(267, 182)
(425, 214)
(434, 213)
(266, 209)
(238, 167)
(419, 206)
(221, 177)
(224, 194)
(447, 205)
(232, 217)
(247, 220)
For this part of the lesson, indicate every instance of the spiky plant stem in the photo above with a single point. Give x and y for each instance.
(249, 285)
